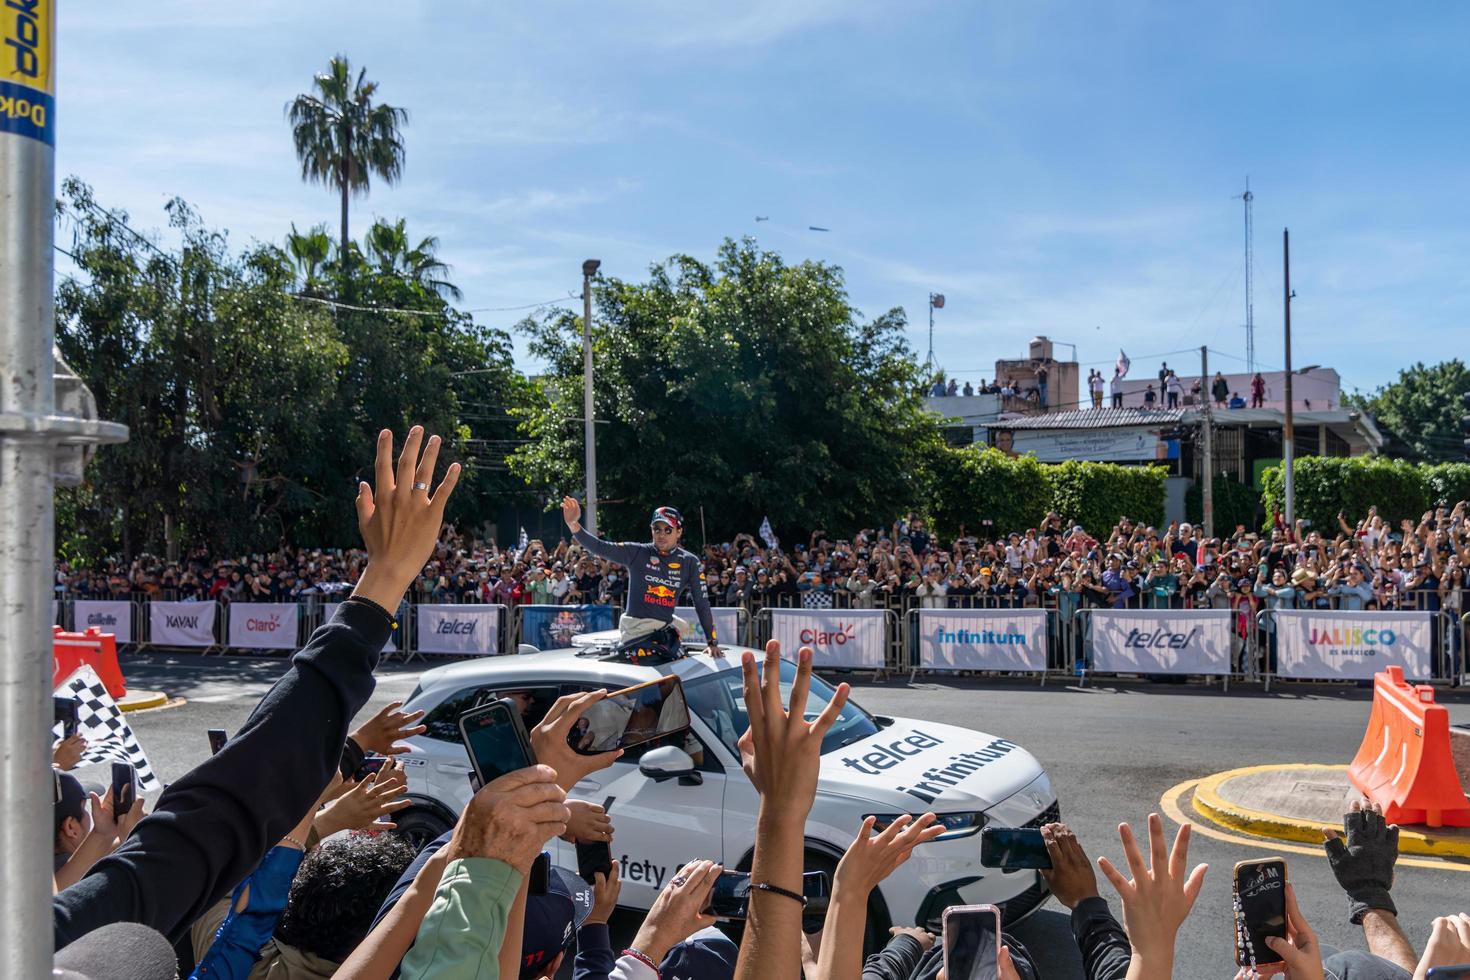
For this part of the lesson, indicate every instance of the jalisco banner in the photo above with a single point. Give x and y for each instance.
(469, 629)
(263, 625)
(982, 639)
(182, 624)
(1161, 641)
(329, 609)
(727, 624)
(27, 69)
(838, 637)
(552, 627)
(108, 615)
(1329, 643)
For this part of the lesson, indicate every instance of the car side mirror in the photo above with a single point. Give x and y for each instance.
(669, 762)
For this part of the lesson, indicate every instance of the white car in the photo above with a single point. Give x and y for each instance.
(683, 798)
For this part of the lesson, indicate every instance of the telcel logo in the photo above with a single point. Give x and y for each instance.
(839, 636)
(455, 627)
(1159, 639)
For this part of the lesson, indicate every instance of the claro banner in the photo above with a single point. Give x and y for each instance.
(982, 639)
(472, 628)
(727, 624)
(1337, 645)
(838, 637)
(182, 624)
(1161, 641)
(262, 625)
(108, 615)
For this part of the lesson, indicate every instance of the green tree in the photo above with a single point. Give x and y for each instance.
(387, 246)
(342, 137)
(747, 387)
(310, 253)
(1422, 409)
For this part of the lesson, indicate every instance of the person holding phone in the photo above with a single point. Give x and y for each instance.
(658, 573)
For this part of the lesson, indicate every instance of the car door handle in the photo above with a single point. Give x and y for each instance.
(588, 786)
(460, 770)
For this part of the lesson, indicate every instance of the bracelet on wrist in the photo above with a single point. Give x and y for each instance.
(642, 957)
(766, 886)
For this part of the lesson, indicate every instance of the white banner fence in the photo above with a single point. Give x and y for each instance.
(1339, 645)
(854, 639)
(978, 639)
(1159, 641)
(263, 625)
(730, 624)
(113, 616)
(471, 629)
(183, 624)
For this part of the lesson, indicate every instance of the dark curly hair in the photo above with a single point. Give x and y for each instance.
(337, 891)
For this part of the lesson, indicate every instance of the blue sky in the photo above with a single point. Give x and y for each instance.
(1053, 168)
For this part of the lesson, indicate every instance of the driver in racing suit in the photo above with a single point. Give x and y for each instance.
(658, 573)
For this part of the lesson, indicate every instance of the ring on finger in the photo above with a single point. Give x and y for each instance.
(421, 486)
(679, 881)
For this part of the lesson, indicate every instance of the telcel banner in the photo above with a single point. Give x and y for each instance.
(108, 615)
(473, 628)
(1161, 641)
(1337, 645)
(263, 625)
(182, 624)
(329, 609)
(982, 639)
(727, 624)
(838, 637)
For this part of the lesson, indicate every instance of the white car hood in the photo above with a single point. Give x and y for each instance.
(912, 766)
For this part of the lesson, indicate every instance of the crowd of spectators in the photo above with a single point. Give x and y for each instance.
(274, 858)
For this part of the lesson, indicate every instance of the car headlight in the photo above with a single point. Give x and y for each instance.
(955, 824)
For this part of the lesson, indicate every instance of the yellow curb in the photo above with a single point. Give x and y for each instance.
(1209, 802)
(143, 700)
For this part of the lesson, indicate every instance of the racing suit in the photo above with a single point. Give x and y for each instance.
(655, 582)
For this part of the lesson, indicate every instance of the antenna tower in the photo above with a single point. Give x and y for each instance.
(1250, 312)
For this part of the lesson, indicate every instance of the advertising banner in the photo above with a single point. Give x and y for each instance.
(1337, 645)
(470, 629)
(552, 627)
(263, 625)
(838, 637)
(182, 624)
(1161, 641)
(982, 639)
(108, 615)
(727, 624)
(329, 609)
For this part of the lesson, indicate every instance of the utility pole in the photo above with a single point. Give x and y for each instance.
(1250, 264)
(589, 269)
(936, 302)
(1288, 435)
(1207, 468)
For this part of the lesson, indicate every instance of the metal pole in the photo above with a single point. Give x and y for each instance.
(27, 537)
(1288, 435)
(589, 269)
(1207, 484)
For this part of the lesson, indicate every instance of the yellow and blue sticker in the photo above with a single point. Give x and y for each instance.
(28, 69)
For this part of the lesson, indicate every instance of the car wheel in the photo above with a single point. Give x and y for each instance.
(420, 826)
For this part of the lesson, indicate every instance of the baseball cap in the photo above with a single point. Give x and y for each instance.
(71, 799)
(552, 920)
(667, 515)
(708, 954)
(120, 951)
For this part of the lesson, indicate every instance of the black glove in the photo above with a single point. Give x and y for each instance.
(1364, 865)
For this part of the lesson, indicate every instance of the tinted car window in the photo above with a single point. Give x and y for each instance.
(443, 721)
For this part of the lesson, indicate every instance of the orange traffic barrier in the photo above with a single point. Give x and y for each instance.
(1404, 764)
(96, 649)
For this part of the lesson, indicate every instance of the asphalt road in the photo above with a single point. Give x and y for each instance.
(1112, 751)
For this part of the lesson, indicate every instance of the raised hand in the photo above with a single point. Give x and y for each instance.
(781, 751)
(68, 752)
(571, 512)
(873, 857)
(365, 803)
(589, 822)
(676, 914)
(549, 740)
(605, 891)
(381, 732)
(1070, 876)
(1449, 944)
(1159, 897)
(1364, 864)
(511, 819)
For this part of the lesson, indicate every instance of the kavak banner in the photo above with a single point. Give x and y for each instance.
(108, 615)
(838, 637)
(329, 609)
(727, 624)
(470, 629)
(182, 624)
(263, 625)
(1161, 641)
(1338, 645)
(982, 639)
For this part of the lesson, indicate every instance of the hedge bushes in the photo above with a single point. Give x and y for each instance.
(1400, 490)
(971, 485)
(1235, 503)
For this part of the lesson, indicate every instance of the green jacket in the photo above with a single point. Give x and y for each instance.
(461, 934)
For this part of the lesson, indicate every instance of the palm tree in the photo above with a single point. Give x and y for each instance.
(388, 247)
(342, 138)
(310, 252)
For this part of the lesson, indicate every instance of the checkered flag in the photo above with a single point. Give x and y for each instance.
(101, 723)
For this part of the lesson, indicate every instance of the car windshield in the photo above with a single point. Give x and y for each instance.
(719, 701)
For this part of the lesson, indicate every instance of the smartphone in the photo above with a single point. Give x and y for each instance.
(217, 739)
(371, 766)
(631, 717)
(971, 937)
(1012, 848)
(1461, 972)
(496, 740)
(1260, 909)
(65, 710)
(730, 897)
(124, 787)
(593, 857)
(539, 879)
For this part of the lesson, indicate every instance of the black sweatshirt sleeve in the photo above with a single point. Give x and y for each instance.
(896, 961)
(1103, 942)
(211, 828)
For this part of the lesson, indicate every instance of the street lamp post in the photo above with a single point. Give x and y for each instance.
(589, 269)
(1288, 434)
